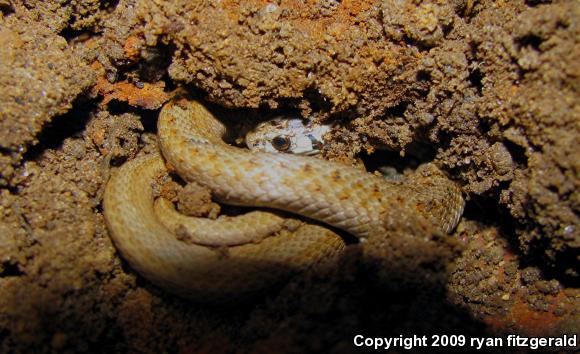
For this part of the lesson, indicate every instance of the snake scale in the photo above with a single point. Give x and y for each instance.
(191, 140)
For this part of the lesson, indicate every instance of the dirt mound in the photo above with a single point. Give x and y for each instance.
(488, 90)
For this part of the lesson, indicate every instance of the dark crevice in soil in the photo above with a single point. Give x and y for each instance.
(6, 151)
(534, 3)
(443, 137)
(170, 86)
(530, 40)
(110, 5)
(484, 126)
(72, 35)
(421, 47)
(318, 101)
(154, 67)
(398, 110)
(476, 79)
(148, 117)
(423, 76)
(10, 269)
(517, 152)
(536, 257)
(446, 30)
(6, 9)
(13, 189)
(416, 154)
(61, 127)
(485, 209)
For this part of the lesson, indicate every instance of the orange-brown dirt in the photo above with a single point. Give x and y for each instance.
(488, 90)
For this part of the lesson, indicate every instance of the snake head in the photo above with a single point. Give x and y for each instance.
(288, 135)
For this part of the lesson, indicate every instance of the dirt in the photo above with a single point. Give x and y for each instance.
(488, 90)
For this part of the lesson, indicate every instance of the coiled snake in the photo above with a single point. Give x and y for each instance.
(191, 139)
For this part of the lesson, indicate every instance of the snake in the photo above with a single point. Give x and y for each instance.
(289, 135)
(235, 257)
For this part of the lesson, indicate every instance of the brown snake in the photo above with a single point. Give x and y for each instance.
(191, 139)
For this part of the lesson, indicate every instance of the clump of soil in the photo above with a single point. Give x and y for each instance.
(40, 77)
(488, 90)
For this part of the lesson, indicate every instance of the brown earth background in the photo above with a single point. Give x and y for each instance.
(488, 90)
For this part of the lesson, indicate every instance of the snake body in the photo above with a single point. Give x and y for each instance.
(191, 140)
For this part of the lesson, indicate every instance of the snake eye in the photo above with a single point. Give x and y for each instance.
(281, 143)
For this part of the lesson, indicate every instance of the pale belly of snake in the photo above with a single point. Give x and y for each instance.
(261, 251)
